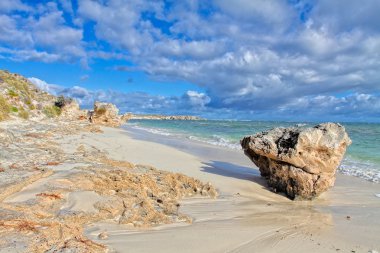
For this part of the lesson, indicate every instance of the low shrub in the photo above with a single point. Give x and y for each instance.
(23, 114)
(52, 111)
(12, 93)
(4, 108)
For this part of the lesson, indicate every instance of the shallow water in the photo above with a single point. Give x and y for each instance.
(362, 158)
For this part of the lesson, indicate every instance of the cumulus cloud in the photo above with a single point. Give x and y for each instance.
(249, 56)
(40, 34)
(191, 102)
(13, 5)
(41, 84)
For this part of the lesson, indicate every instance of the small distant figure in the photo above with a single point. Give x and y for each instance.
(90, 114)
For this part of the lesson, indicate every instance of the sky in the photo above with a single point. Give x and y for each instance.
(310, 60)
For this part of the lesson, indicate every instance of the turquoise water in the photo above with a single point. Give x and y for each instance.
(362, 158)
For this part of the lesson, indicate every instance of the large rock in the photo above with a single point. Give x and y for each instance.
(69, 108)
(298, 161)
(106, 114)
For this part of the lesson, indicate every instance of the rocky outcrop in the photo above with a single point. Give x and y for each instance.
(106, 114)
(69, 108)
(165, 117)
(301, 162)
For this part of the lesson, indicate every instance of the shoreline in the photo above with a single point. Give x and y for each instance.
(248, 201)
(246, 217)
(360, 159)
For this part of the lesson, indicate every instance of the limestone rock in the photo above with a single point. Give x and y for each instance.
(298, 161)
(69, 107)
(106, 114)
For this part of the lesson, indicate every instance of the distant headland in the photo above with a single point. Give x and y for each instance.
(164, 117)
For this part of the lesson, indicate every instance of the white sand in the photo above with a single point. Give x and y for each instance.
(247, 217)
(81, 201)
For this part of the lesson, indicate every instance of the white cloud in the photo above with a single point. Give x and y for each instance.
(248, 55)
(11, 35)
(50, 88)
(13, 5)
(39, 35)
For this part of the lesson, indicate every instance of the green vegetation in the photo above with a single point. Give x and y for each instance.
(14, 109)
(52, 111)
(28, 102)
(23, 114)
(4, 108)
(101, 111)
(12, 93)
(16, 83)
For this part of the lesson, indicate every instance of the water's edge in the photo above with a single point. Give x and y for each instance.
(360, 160)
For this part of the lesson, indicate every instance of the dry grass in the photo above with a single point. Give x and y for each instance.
(52, 111)
(23, 114)
(18, 84)
(4, 108)
(12, 93)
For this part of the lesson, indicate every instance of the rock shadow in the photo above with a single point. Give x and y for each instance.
(236, 171)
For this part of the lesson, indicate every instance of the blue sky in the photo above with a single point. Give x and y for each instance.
(253, 59)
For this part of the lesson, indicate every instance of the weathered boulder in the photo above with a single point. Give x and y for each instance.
(106, 114)
(69, 108)
(300, 162)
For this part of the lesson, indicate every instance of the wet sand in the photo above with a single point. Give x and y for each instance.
(247, 217)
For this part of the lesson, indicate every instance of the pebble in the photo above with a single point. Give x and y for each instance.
(103, 236)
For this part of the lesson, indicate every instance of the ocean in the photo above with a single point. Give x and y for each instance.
(361, 160)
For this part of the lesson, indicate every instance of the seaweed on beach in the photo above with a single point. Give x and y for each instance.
(136, 195)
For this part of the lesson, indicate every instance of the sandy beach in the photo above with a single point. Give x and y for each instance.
(245, 217)
(157, 126)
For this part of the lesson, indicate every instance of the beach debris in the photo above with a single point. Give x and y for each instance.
(301, 162)
(53, 163)
(137, 195)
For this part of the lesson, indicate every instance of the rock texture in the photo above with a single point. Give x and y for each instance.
(300, 162)
(106, 114)
(69, 108)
